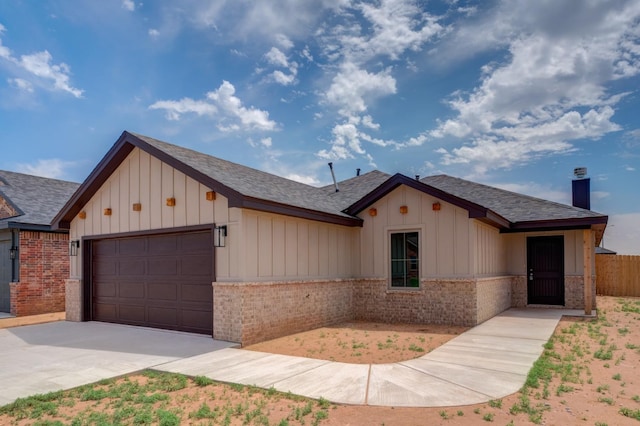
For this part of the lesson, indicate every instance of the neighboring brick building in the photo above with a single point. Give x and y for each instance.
(177, 239)
(34, 259)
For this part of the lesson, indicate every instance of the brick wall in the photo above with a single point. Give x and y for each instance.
(493, 296)
(73, 292)
(44, 267)
(574, 292)
(255, 312)
(436, 302)
(519, 291)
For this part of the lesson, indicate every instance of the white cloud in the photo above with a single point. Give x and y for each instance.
(21, 84)
(550, 91)
(266, 142)
(277, 58)
(306, 179)
(223, 106)
(53, 168)
(39, 65)
(153, 32)
(535, 189)
(128, 5)
(352, 87)
(630, 169)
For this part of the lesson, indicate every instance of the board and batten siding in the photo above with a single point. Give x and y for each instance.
(446, 236)
(142, 178)
(573, 255)
(490, 251)
(276, 247)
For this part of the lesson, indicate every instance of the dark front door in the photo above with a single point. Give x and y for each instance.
(545, 270)
(161, 281)
(5, 271)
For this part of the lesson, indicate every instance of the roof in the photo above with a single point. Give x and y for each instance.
(602, 250)
(35, 200)
(254, 189)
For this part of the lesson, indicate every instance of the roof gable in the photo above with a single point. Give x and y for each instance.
(31, 202)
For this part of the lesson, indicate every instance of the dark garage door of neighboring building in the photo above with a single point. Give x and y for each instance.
(161, 281)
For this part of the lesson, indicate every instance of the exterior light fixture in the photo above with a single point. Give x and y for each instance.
(436, 207)
(73, 247)
(404, 209)
(13, 252)
(219, 235)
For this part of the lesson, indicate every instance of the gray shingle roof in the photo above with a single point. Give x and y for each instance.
(265, 186)
(512, 206)
(37, 199)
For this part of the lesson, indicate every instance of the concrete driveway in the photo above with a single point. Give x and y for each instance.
(61, 355)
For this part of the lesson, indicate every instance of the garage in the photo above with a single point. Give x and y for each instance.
(159, 280)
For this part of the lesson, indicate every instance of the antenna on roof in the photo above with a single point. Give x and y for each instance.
(334, 177)
(358, 172)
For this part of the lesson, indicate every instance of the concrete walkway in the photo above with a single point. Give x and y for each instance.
(489, 361)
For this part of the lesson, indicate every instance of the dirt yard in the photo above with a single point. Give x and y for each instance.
(362, 342)
(587, 375)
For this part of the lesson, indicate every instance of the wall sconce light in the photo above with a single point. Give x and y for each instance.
(404, 209)
(108, 211)
(211, 196)
(373, 212)
(13, 252)
(74, 245)
(219, 235)
(171, 202)
(82, 215)
(436, 207)
(136, 207)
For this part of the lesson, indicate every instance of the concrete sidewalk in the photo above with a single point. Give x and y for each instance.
(489, 361)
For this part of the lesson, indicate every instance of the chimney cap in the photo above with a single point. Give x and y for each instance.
(580, 172)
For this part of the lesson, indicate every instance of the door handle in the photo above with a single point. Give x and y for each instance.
(531, 275)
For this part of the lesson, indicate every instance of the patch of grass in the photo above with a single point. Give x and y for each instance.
(444, 414)
(617, 376)
(623, 331)
(495, 403)
(167, 418)
(636, 398)
(628, 412)
(603, 354)
(34, 407)
(202, 381)
(488, 417)
(602, 388)
(564, 389)
(632, 346)
(204, 412)
(415, 348)
(608, 401)
(460, 413)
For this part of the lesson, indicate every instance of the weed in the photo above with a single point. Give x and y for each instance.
(601, 424)
(495, 403)
(606, 400)
(204, 412)
(628, 412)
(167, 418)
(476, 411)
(617, 377)
(413, 347)
(324, 403)
(488, 417)
(603, 354)
(564, 389)
(460, 413)
(623, 331)
(602, 388)
(444, 414)
(636, 398)
(631, 346)
(202, 381)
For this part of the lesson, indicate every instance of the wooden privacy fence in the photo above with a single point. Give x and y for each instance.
(618, 275)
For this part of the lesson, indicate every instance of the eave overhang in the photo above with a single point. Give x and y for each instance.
(127, 142)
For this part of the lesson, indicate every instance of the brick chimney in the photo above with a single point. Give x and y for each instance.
(581, 189)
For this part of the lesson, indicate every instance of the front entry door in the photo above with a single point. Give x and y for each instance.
(545, 270)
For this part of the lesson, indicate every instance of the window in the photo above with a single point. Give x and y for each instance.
(405, 259)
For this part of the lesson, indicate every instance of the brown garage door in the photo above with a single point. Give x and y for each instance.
(161, 281)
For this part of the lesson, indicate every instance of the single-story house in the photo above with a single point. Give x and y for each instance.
(177, 239)
(34, 259)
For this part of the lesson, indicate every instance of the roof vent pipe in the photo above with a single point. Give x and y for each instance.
(417, 177)
(333, 176)
(358, 172)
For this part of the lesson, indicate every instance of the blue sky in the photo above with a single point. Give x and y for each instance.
(513, 94)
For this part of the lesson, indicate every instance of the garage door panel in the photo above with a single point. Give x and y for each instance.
(132, 314)
(131, 290)
(163, 244)
(163, 266)
(196, 265)
(163, 291)
(105, 248)
(195, 293)
(132, 267)
(161, 281)
(105, 267)
(131, 246)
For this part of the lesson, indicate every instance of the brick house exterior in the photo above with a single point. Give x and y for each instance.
(34, 259)
(181, 240)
